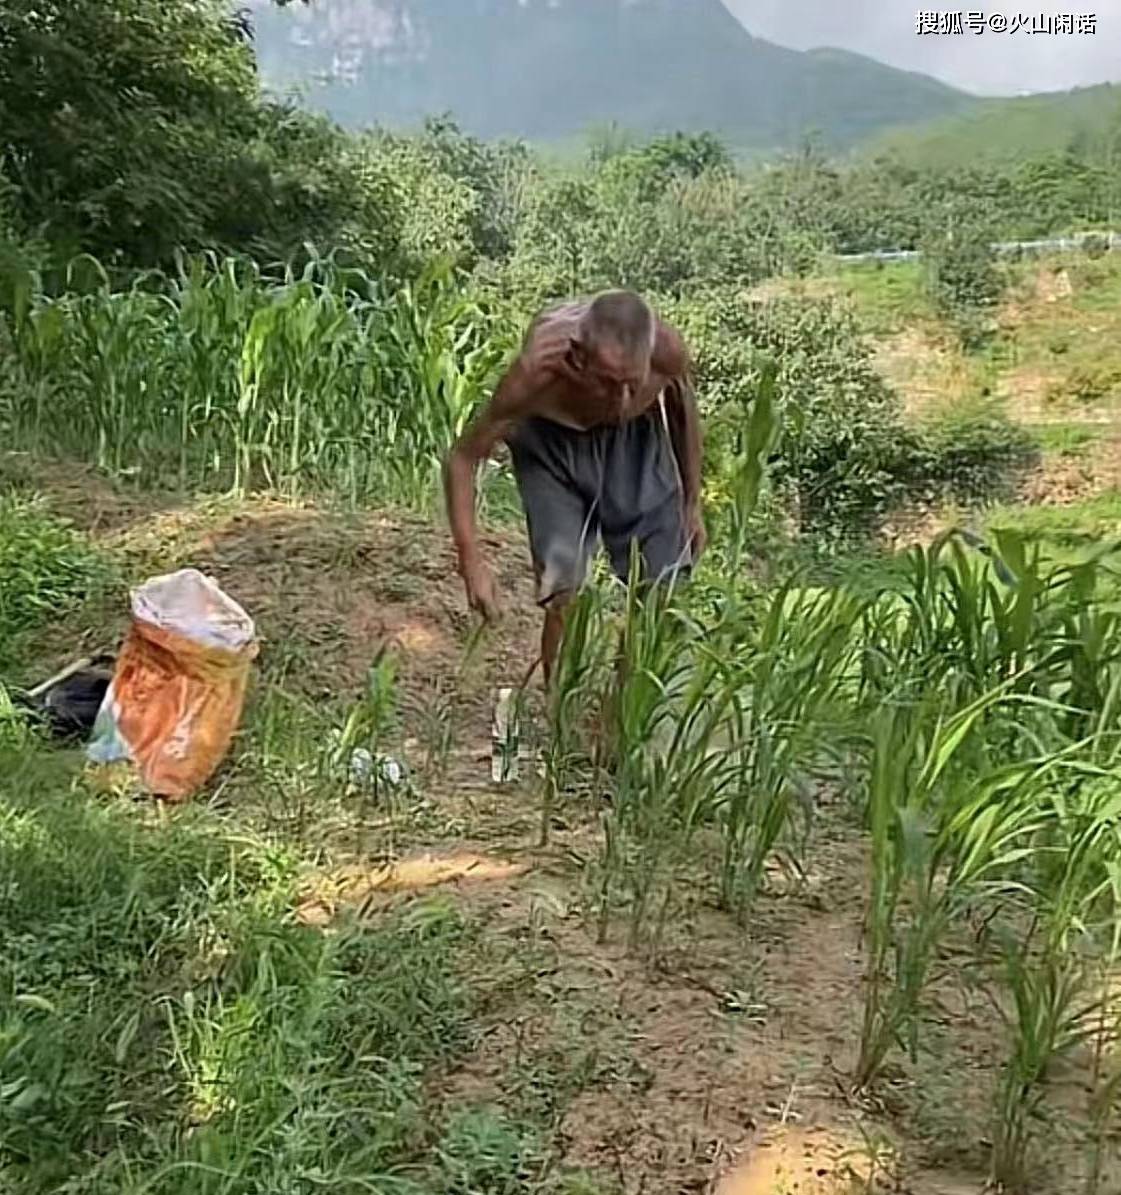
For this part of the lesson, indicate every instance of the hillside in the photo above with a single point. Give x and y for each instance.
(1003, 130)
(548, 69)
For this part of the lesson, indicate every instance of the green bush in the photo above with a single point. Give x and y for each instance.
(670, 217)
(973, 450)
(138, 129)
(963, 279)
(46, 568)
(845, 455)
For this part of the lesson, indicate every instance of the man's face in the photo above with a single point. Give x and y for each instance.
(613, 376)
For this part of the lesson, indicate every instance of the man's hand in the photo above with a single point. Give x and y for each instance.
(696, 533)
(482, 596)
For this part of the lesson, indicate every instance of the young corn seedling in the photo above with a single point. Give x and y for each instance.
(1070, 879)
(1050, 1016)
(360, 748)
(672, 700)
(761, 431)
(580, 678)
(935, 839)
(795, 675)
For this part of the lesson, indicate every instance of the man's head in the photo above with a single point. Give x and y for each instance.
(614, 345)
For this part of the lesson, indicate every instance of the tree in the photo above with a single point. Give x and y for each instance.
(963, 278)
(130, 128)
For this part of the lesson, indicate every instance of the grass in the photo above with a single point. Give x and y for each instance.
(1066, 439)
(169, 1025)
(47, 569)
(1066, 534)
(888, 297)
(1063, 345)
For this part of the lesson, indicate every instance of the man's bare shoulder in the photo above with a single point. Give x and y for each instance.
(671, 356)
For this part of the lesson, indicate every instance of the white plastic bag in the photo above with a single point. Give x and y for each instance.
(190, 604)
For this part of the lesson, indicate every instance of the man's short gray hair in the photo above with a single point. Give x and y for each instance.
(622, 318)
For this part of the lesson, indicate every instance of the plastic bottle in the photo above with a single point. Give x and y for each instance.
(504, 739)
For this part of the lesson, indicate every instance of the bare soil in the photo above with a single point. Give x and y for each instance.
(927, 371)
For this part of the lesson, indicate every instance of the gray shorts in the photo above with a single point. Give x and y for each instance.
(617, 484)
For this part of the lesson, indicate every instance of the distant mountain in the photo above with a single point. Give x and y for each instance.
(1008, 129)
(548, 69)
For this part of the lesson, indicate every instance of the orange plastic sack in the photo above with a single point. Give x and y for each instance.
(178, 690)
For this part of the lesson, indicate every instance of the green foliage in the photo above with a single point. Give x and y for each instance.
(219, 378)
(973, 450)
(135, 129)
(46, 569)
(482, 1151)
(968, 707)
(666, 217)
(328, 380)
(295, 1056)
(845, 454)
(963, 278)
(165, 1022)
(890, 202)
(456, 196)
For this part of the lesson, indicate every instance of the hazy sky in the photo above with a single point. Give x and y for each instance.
(996, 63)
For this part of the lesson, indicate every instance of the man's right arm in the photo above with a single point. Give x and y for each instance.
(494, 424)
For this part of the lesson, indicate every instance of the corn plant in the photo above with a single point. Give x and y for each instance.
(581, 674)
(937, 837)
(1050, 1016)
(367, 726)
(673, 700)
(433, 355)
(793, 678)
(221, 377)
(1070, 879)
(761, 430)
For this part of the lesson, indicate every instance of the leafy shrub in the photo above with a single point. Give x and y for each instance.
(138, 129)
(667, 217)
(963, 278)
(845, 453)
(972, 448)
(45, 567)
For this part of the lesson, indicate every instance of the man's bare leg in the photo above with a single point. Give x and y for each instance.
(556, 613)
